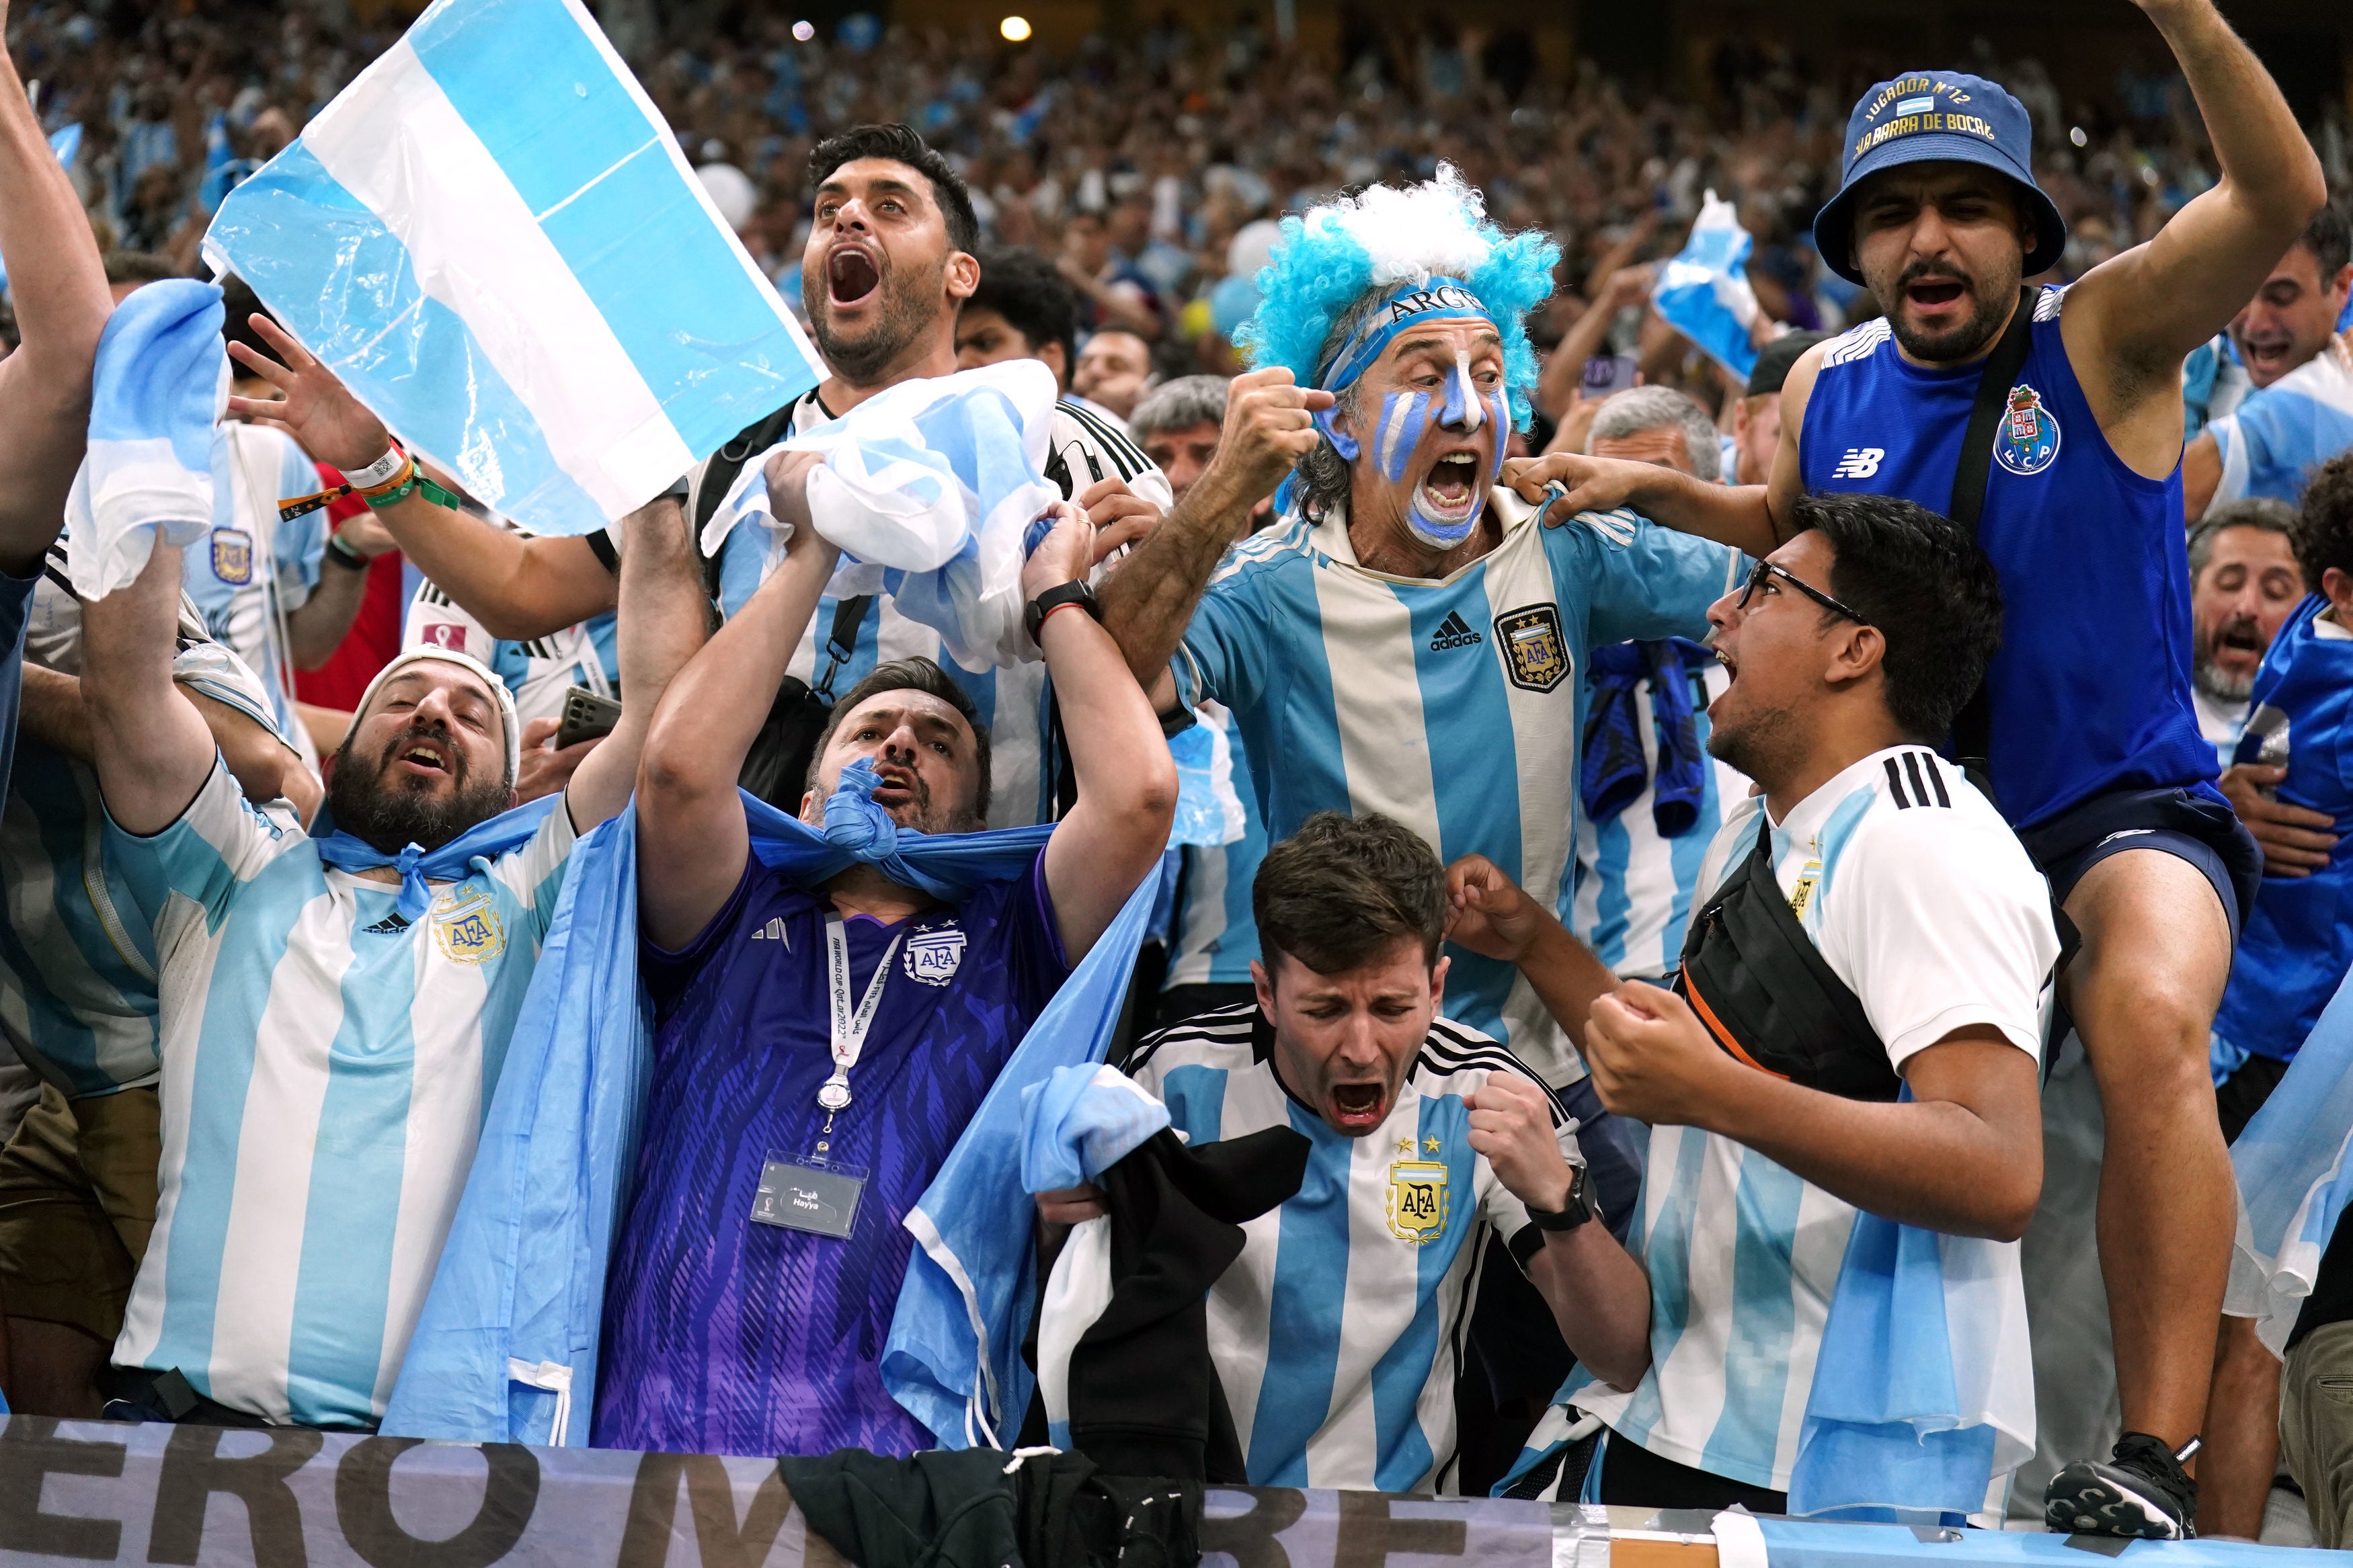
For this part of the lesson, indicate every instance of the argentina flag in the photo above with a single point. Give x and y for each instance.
(492, 238)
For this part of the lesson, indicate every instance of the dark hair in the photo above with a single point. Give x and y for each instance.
(2267, 512)
(1927, 587)
(1342, 887)
(911, 675)
(240, 304)
(2330, 235)
(899, 144)
(139, 266)
(2322, 534)
(1033, 297)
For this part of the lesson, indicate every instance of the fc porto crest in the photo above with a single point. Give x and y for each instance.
(2026, 442)
(932, 956)
(1418, 1203)
(1533, 651)
(468, 930)
(233, 556)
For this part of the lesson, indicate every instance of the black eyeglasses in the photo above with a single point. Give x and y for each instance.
(1765, 569)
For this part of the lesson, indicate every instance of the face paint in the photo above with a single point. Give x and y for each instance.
(1404, 417)
(1440, 533)
(1342, 442)
(1500, 402)
(1462, 410)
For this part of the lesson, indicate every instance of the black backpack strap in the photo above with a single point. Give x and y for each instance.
(1973, 730)
(841, 641)
(718, 473)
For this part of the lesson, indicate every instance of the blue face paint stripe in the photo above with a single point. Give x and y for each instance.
(1404, 417)
(436, 383)
(1304, 1309)
(689, 315)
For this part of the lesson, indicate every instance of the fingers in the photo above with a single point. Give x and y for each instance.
(262, 365)
(298, 358)
(538, 732)
(2299, 820)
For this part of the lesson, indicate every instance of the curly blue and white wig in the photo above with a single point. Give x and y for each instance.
(1336, 265)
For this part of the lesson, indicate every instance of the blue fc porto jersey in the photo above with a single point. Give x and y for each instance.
(2091, 689)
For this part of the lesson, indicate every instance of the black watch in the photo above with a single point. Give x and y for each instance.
(1576, 1211)
(1062, 594)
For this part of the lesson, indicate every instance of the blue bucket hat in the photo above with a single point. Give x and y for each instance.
(1946, 117)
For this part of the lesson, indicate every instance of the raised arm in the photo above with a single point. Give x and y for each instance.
(663, 619)
(59, 289)
(690, 831)
(2131, 320)
(1270, 425)
(1114, 835)
(516, 588)
(152, 750)
(1489, 913)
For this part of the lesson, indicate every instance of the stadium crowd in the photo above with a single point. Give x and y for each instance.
(1653, 851)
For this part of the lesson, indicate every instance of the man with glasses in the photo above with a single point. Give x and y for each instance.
(1903, 939)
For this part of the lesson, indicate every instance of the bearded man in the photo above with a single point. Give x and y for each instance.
(2052, 423)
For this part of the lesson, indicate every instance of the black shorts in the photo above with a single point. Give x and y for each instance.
(2195, 824)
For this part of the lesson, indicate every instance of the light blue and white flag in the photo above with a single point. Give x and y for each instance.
(2276, 437)
(1704, 293)
(929, 489)
(2294, 1180)
(491, 236)
(159, 384)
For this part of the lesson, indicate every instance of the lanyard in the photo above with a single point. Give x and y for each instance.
(848, 1027)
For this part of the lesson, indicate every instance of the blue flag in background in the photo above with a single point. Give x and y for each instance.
(1704, 293)
(493, 238)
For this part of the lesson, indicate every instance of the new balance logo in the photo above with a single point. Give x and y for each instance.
(1860, 463)
(774, 931)
(1454, 632)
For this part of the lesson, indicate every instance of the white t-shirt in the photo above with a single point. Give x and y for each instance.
(1922, 900)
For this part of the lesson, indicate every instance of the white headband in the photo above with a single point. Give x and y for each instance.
(474, 667)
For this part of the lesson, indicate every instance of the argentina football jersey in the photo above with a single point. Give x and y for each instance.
(1454, 706)
(253, 569)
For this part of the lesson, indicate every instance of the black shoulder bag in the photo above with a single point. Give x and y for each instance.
(776, 768)
(1764, 993)
(1973, 730)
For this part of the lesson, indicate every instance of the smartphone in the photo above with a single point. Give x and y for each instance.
(586, 716)
(1606, 373)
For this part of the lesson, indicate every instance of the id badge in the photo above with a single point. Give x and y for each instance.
(807, 1194)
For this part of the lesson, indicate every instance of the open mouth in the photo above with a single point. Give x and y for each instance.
(426, 758)
(1935, 294)
(1450, 491)
(1357, 1104)
(2267, 356)
(850, 275)
(898, 788)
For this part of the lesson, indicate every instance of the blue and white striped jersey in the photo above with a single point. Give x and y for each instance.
(537, 670)
(1338, 1332)
(1922, 901)
(1455, 705)
(252, 570)
(77, 962)
(326, 1070)
(2272, 443)
(1634, 888)
(1216, 934)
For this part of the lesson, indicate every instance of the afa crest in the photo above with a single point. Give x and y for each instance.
(1417, 1205)
(2026, 442)
(233, 556)
(932, 956)
(468, 931)
(1534, 653)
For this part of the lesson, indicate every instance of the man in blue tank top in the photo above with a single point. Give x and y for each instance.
(2095, 753)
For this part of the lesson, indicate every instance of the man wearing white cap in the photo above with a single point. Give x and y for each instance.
(334, 1005)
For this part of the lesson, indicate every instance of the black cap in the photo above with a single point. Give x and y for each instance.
(1774, 360)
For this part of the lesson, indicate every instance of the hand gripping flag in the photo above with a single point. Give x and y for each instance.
(492, 238)
(1704, 293)
(929, 489)
(2294, 1180)
(506, 1348)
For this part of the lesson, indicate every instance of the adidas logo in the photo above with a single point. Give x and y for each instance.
(774, 931)
(1454, 632)
(391, 925)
